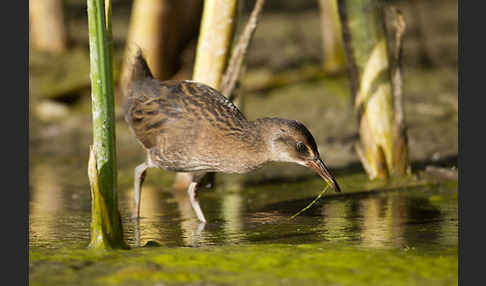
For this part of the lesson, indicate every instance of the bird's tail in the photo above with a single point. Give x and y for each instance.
(137, 70)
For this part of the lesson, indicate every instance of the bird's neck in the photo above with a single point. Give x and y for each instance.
(264, 129)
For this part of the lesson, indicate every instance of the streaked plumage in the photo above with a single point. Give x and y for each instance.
(172, 118)
(187, 126)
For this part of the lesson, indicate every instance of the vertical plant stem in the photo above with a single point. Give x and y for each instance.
(146, 32)
(370, 72)
(161, 29)
(399, 24)
(105, 216)
(233, 71)
(402, 163)
(214, 43)
(333, 52)
(109, 38)
(47, 25)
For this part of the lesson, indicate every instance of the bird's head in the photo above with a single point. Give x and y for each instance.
(291, 141)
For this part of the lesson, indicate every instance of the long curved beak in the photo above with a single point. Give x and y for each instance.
(320, 168)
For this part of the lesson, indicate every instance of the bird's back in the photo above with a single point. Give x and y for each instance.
(185, 125)
(153, 107)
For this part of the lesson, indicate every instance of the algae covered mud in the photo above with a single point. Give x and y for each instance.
(391, 235)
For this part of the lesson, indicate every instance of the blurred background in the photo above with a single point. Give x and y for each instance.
(295, 68)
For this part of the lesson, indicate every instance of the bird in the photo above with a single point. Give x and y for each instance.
(188, 126)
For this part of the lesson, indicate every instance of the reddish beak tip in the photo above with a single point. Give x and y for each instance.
(321, 169)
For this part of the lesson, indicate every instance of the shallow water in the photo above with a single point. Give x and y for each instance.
(398, 213)
(422, 216)
(375, 234)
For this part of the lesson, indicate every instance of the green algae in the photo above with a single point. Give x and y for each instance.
(266, 264)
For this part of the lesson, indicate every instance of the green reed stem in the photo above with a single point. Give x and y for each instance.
(106, 228)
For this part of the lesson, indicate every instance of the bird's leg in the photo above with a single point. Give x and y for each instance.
(192, 193)
(139, 178)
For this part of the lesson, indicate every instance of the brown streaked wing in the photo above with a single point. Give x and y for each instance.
(150, 111)
(175, 104)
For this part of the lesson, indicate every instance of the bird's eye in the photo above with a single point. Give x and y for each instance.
(301, 147)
